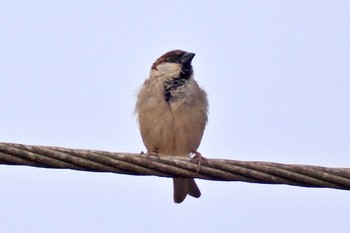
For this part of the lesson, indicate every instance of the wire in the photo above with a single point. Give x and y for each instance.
(170, 166)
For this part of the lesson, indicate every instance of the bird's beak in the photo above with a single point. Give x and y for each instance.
(187, 58)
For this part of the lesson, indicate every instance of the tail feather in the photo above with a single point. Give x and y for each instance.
(193, 189)
(184, 186)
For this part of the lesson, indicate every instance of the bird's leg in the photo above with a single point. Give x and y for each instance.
(197, 157)
(143, 153)
(149, 154)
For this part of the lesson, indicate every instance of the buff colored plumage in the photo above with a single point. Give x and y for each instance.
(172, 113)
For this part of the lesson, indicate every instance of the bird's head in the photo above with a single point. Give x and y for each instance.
(175, 64)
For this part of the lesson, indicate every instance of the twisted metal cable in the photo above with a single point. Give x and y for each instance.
(167, 166)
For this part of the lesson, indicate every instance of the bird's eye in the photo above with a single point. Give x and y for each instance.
(174, 59)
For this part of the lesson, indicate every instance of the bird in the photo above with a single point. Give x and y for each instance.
(172, 112)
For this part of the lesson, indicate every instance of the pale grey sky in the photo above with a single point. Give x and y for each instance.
(278, 78)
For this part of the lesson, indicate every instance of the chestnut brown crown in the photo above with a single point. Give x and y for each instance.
(176, 56)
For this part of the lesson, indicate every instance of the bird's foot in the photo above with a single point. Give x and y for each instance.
(198, 158)
(149, 154)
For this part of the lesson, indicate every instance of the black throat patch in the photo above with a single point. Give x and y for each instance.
(174, 88)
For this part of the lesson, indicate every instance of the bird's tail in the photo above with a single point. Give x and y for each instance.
(184, 186)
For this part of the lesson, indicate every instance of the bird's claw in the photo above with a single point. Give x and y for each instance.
(149, 154)
(198, 158)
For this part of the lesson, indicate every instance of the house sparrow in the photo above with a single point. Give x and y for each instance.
(172, 113)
